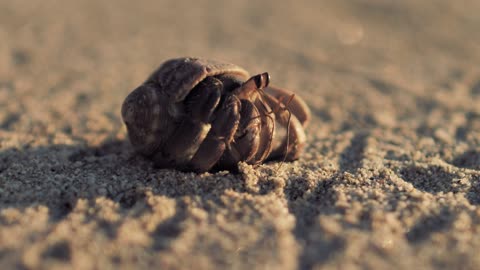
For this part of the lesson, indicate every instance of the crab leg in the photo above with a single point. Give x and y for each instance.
(289, 138)
(297, 105)
(246, 141)
(251, 90)
(267, 132)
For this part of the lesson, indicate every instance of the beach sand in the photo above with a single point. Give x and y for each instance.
(391, 173)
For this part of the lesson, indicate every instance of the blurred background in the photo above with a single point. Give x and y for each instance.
(67, 66)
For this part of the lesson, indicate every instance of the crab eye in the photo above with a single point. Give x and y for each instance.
(262, 80)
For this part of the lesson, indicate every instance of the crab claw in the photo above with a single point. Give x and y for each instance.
(219, 137)
(247, 140)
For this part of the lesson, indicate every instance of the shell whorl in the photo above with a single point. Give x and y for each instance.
(146, 116)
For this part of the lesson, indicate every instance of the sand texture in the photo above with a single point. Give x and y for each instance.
(391, 173)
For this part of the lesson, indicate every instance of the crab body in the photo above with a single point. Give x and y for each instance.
(196, 114)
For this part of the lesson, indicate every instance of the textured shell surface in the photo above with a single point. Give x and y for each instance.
(177, 77)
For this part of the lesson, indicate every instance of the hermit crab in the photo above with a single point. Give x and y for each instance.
(199, 115)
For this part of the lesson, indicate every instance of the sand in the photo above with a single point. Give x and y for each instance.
(391, 173)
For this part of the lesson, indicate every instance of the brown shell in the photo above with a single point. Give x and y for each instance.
(177, 77)
(150, 110)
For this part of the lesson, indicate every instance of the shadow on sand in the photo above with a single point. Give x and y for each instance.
(58, 176)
